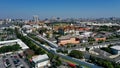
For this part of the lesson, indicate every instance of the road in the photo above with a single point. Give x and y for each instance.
(52, 44)
(63, 56)
(11, 61)
(1, 63)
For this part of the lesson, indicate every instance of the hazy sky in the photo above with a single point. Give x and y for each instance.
(59, 8)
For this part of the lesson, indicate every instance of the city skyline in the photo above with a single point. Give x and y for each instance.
(59, 8)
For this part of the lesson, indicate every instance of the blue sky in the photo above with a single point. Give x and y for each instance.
(59, 8)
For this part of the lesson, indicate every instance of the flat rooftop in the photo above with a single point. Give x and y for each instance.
(18, 41)
(116, 47)
(39, 58)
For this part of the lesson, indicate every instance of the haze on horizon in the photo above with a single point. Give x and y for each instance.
(59, 8)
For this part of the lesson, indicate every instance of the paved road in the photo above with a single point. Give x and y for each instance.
(52, 44)
(11, 62)
(23, 62)
(67, 57)
(1, 63)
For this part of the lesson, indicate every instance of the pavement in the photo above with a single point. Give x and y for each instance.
(1, 63)
(11, 62)
(24, 63)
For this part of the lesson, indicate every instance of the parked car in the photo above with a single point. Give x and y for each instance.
(6, 62)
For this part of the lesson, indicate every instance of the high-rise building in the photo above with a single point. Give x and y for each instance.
(8, 20)
(35, 18)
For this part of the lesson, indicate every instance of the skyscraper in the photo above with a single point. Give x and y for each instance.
(35, 18)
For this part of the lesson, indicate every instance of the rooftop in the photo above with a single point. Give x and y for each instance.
(6, 25)
(22, 44)
(68, 37)
(39, 58)
(99, 36)
(116, 47)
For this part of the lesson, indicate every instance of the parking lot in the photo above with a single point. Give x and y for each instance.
(12, 61)
(1, 63)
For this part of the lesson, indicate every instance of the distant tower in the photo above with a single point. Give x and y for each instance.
(35, 18)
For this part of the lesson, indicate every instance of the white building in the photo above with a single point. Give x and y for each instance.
(36, 26)
(35, 18)
(103, 24)
(86, 34)
(41, 61)
(27, 28)
(116, 49)
(1, 22)
(8, 20)
(10, 42)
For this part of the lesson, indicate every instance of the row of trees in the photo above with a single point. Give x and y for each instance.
(104, 63)
(30, 44)
(42, 30)
(108, 49)
(76, 54)
(107, 28)
(91, 40)
(64, 51)
(114, 36)
(15, 47)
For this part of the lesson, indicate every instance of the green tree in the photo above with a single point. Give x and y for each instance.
(100, 41)
(4, 49)
(29, 43)
(76, 54)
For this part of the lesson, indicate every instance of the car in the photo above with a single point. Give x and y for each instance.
(4, 56)
(20, 55)
(11, 56)
(6, 63)
(6, 60)
(15, 62)
(15, 57)
(23, 67)
(20, 66)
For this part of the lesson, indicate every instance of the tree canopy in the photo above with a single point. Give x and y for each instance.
(76, 54)
(4, 49)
